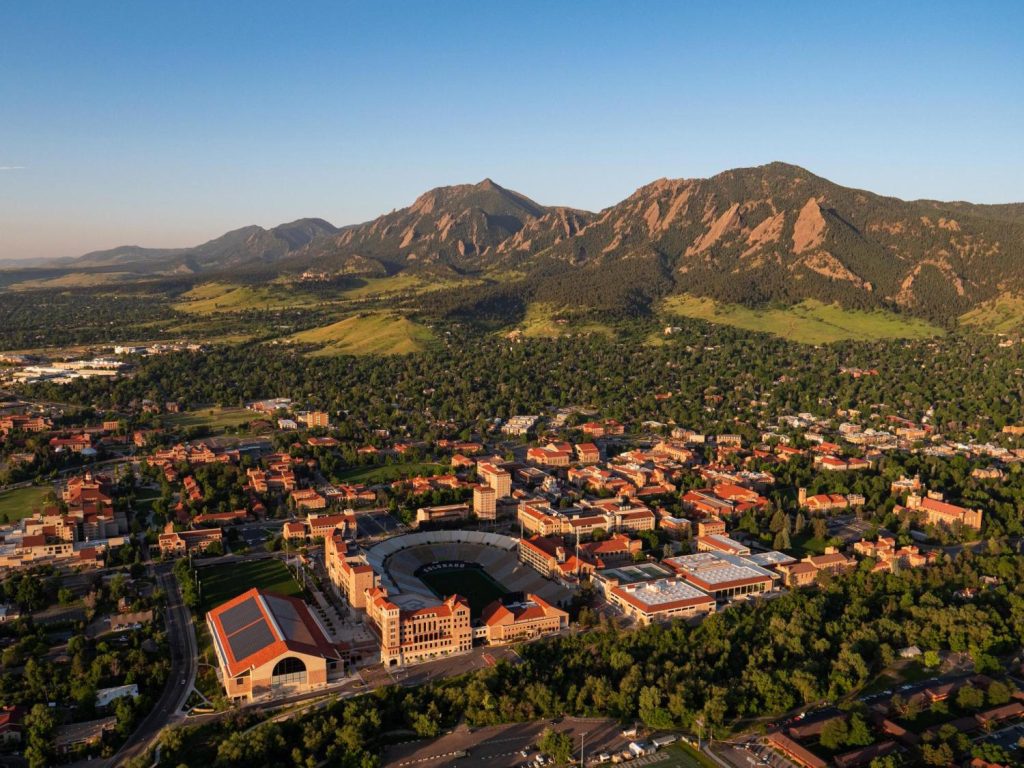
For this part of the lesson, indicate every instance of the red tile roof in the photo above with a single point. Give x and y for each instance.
(302, 636)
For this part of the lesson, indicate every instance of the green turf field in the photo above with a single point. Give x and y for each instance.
(212, 418)
(19, 503)
(219, 583)
(388, 473)
(475, 585)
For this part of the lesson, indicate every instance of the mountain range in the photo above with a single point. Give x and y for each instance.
(772, 233)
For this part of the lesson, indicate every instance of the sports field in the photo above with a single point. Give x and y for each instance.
(219, 583)
(387, 473)
(214, 419)
(19, 503)
(474, 584)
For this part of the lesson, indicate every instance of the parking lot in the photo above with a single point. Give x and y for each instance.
(751, 753)
(502, 746)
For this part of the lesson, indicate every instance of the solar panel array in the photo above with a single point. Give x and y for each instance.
(241, 616)
(250, 640)
(287, 618)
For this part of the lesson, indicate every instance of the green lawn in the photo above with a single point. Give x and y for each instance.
(219, 583)
(388, 473)
(809, 322)
(474, 584)
(212, 418)
(807, 544)
(368, 333)
(19, 503)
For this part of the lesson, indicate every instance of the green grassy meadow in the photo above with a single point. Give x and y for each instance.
(214, 298)
(546, 321)
(809, 322)
(369, 333)
(1003, 314)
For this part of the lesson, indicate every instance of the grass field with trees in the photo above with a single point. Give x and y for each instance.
(809, 322)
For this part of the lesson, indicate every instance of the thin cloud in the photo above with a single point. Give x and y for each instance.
(12, 167)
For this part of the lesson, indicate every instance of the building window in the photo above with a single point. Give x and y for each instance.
(288, 671)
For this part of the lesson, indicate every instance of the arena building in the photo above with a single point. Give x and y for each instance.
(268, 644)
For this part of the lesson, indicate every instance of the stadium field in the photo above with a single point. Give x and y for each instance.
(474, 584)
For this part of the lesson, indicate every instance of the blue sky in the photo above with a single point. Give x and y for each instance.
(168, 123)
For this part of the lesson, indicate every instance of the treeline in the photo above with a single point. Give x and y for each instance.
(750, 661)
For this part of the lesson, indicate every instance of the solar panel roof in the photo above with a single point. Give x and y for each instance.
(240, 616)
(287, 618)
(250, 640)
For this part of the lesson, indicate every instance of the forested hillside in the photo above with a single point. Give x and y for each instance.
(770, 235)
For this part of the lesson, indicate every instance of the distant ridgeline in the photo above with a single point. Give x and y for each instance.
(770, 236)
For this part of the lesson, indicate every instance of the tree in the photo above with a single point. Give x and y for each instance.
(782, 541)
(860, 734)
(969, 698)
(39, 725)
(834, 734)
(998, 693)
(557, 744)
(941, 754)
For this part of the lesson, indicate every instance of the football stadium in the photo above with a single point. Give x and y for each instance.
(421, 569)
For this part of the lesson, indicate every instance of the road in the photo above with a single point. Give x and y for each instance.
(184, 656)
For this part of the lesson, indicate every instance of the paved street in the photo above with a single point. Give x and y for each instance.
(184, 652)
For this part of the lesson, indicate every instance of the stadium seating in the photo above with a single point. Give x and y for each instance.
(398, 558)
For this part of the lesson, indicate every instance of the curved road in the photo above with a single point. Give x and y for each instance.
(184, 656)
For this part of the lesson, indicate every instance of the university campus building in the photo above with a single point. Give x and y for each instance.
(268, 644)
